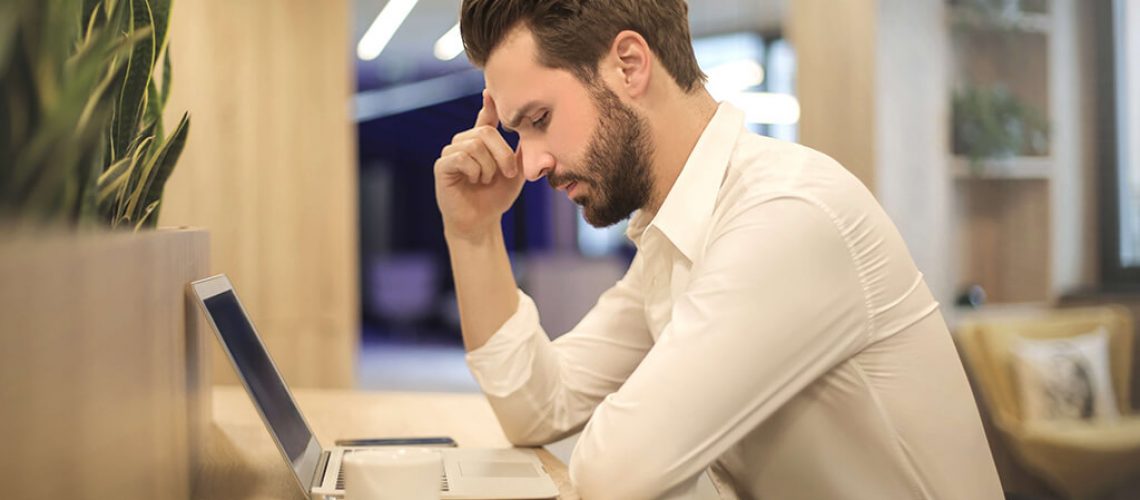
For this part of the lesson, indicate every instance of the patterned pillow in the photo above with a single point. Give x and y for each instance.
(1065, 379)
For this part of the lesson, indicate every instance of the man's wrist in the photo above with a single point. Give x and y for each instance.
(475, 238)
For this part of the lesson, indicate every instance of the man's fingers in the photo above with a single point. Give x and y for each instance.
(485, 145)
(482, 155)
(489, 115)
(474, 132)
(496, 144)
(478, 152)
(458, 163)
(500, 150)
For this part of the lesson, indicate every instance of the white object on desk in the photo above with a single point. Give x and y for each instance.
(392, 474)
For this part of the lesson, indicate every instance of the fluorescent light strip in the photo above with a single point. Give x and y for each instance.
(769, 108)
(733, 77)
(450, 45)
(382, 29)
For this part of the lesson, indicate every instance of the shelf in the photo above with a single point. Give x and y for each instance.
(1021, 167)
(971, 18)
(957, 316)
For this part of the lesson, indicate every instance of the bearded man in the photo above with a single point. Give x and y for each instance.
(772, 328)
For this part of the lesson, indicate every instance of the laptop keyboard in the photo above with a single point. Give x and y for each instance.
(443, 486)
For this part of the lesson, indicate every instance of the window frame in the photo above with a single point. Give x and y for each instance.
(1114, 274)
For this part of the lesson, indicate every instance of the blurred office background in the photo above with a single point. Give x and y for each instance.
(1000, 135)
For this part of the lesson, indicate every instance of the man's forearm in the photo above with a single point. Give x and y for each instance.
(484, 286)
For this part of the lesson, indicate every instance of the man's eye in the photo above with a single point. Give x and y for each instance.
(541, 122)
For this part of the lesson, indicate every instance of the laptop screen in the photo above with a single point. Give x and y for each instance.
(265, 385)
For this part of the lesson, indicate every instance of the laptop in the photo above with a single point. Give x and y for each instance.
(468, 473)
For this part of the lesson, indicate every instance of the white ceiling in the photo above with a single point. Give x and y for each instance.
(410, 51)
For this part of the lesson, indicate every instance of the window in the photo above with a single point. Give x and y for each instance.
(1119, 23)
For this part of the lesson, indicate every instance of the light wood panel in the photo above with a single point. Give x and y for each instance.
(244, 464)
(1005, 233)
(270, 170)
(98, 394)
(835, 79)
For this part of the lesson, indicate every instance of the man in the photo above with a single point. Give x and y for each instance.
(772, 328)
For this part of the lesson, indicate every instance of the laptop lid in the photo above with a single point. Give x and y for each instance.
(260, 377)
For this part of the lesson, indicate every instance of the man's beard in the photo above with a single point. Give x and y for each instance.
(617, 163)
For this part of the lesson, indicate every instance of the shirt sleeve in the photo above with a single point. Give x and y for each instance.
(775, 303)
(543, 390)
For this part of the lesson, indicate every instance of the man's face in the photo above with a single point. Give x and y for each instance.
(583, 138)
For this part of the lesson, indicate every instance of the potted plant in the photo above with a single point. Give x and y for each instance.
(101, 355)
(82, 141)
(991, 124)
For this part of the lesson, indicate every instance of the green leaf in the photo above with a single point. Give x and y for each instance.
(132, 99)
(112, 180)
(145, 220)
(167, 76)
(87, 213)
(90, 15)
(128, 196)
(153, 116)
(147, 133)
(86, 69)
(9, 16)
(165, 162)
(160, 15)
(118, 51)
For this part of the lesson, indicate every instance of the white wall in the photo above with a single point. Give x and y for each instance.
(912, 120)
(1071, 255)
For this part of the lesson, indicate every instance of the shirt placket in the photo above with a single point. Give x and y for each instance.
(659, 299)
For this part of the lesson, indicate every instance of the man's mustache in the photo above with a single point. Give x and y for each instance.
(556, 180)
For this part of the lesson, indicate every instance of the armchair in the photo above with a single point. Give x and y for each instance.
(1079, 459)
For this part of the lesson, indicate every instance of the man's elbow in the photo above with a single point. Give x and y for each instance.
(602, 478)
(526, 439)
(533, 433)
(597, 480)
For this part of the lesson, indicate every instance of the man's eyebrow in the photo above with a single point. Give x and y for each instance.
(513, 123)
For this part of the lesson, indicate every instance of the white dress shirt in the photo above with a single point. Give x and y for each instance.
(772, 329)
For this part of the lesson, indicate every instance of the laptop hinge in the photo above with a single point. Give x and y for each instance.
(319, 474)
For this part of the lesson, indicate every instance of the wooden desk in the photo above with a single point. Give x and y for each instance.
(241, 462)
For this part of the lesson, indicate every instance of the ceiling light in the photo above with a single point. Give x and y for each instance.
(450, 45)
(732, 77)
(382, 29)
(767, 107)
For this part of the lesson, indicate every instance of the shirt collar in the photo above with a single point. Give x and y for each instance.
(683, 217)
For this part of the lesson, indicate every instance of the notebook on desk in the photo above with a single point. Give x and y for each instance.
(468, 473)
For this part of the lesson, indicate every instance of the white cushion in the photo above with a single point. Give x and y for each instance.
(1065, 379)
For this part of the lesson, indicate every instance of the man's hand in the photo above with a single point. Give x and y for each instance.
(477, 177)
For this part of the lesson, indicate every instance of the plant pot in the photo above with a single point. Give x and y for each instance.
(103, 364)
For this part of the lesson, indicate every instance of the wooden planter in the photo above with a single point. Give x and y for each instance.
(104, 390)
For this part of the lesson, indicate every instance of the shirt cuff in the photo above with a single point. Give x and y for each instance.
(503, 364)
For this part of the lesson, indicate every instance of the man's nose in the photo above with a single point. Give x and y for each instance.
(536, 163)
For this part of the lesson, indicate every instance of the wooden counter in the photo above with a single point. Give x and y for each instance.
(241, 461)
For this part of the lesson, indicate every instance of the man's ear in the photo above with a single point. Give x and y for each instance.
(634, 62)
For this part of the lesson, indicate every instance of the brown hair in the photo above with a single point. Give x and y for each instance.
(575, 34)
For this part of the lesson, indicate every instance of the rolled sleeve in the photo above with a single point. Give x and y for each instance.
(543, 390)
(503, 364)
